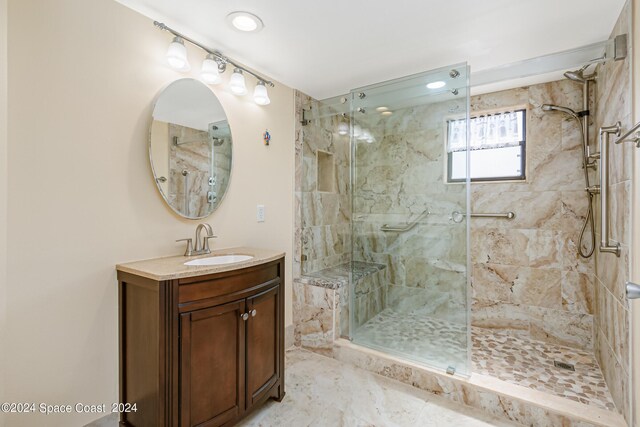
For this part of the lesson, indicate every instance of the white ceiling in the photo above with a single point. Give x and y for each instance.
(328, 47)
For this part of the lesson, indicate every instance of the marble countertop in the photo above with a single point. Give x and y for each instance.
(168, 268)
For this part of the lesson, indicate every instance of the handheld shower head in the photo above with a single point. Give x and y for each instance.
(551, 107)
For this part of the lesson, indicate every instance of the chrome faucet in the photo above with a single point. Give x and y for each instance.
(201, 248)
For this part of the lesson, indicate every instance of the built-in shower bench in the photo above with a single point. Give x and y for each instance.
(321, 302)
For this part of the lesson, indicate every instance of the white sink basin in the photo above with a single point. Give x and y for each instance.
(219, 260)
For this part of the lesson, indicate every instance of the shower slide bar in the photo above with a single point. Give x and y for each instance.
(407, 227)
(457, 217)
(605, 132)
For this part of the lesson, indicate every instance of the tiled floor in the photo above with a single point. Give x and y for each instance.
(416, 336)
(520, 361)
(530, 363)
(324, 392)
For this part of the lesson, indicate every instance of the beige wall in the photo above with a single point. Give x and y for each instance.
(83, 76)
(160, 151)
(3, 191)
(635, 226)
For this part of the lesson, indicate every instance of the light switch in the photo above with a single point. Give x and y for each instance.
(260, 213)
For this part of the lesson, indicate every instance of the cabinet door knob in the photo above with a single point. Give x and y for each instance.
(253, 313)
(244, 316)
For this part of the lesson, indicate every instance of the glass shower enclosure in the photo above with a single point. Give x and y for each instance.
(408, 287)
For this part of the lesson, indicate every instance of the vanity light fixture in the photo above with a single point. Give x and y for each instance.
(237, 84)
(260, 95)
(381, 109)
(245, 22)
(436, 85)
(177, 55)
(210, 73)
(214, 65)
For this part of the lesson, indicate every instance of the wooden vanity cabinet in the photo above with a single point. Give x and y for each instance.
(203, 350)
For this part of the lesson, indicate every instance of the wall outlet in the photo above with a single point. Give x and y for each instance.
(260, 213)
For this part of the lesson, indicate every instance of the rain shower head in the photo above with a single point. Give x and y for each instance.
(578, 75)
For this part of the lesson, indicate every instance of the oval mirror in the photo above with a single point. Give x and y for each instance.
(190, 148)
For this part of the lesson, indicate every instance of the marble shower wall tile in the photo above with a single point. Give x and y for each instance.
(323, 217)
(195, 157)
(527, 276)
(314, 317)
(613, 103)
(561, 327)
(505, 317)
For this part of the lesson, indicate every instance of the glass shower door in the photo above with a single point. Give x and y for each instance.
(409, 280)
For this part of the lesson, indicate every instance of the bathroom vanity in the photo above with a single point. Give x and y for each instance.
(203, 344)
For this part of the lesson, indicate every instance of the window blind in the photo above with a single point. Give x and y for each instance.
(486, 131)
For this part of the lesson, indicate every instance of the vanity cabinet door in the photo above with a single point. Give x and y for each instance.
(263, 341)
(212, 369)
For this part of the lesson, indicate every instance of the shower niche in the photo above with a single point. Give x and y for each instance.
(325, 172)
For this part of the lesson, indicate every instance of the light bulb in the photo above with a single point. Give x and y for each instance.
(343, 128)
(260, 95)
(357, 132)
(245, 21)
(177, 55)
(436, 85)
(236, 83)
(210, 73)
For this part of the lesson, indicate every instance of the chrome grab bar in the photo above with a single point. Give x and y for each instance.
(457, 217)
(628, 133)
(407, 227)
(605, 132)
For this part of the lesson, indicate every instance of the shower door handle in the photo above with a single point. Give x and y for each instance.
(633, 290)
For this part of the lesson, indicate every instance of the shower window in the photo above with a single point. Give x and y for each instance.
(497, 147)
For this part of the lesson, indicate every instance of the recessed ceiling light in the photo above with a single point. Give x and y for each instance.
(386, 113)
(245, 21)
(436, 85)
(381, 109)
